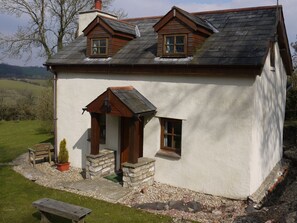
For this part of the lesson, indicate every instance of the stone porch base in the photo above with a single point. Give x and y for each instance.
(139, 175)
(100, 165)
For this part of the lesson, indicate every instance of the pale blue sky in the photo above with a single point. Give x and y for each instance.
(142, 8)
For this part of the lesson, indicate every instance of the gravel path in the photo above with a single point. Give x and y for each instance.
(207, 208)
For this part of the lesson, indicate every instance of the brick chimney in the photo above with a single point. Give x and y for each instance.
(98, 5)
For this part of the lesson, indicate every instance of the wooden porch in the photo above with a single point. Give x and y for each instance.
(128, 104)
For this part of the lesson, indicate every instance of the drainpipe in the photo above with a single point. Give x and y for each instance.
(55, 113)
(55, 117)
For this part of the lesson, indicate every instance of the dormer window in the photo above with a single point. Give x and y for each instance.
(106, 36)
(181, 34)
(100, 47)
(175, 45)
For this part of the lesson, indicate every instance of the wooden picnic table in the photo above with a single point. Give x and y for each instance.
(69, 211)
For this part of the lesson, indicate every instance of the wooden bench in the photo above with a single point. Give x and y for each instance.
(40, 151)
(48, 206)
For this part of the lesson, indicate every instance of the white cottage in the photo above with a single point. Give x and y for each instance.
(194, 100)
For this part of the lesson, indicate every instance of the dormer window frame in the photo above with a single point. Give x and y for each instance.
(99, 46)
(175, 52)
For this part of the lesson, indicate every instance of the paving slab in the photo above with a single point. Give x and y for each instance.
(100, 187)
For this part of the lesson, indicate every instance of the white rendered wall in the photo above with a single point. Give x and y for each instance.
(216, 128)
(269, 112)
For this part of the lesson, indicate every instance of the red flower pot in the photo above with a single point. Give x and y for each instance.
(63, 166)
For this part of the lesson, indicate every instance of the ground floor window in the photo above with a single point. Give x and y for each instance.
(102, 134)
(102, 129)
(171, 135)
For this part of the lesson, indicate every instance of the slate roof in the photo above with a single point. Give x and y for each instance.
(195, 19)
(135, 101)
(120, 26)
(243, 39)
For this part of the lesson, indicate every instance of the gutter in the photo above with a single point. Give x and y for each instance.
(55, 112)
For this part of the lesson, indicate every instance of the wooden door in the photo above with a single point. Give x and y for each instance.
(124, 139)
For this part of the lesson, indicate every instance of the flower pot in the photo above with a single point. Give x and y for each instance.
(63, 166)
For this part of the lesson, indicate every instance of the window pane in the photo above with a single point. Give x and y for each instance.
(177, 142)
(95, 43)
(177, 128)
(95, 50)
(168, 141)
(102, 50)
(169, 127)
(169, 40)
(180, 49)
(180, 39)
(170, 49)
(103, 42)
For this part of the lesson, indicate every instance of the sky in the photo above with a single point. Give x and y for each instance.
(142, 8)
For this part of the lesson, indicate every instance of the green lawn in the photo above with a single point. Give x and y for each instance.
(290, 123)
(17, 136)
(18, 193)
(20, 86)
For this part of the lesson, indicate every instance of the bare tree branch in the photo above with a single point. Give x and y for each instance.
(51, 24)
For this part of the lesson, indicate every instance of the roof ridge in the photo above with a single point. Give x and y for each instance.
(237, 10)
(116, 20)
(209, 12)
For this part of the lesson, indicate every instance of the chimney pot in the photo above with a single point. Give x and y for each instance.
(98, 4)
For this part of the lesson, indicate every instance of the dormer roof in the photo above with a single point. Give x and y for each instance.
(194, 22)
(111, 25)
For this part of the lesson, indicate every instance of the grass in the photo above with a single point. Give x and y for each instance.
(20, 86)
(290, 123)
(17, 136)
(18, 193)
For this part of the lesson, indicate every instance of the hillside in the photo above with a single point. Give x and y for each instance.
(16, 72)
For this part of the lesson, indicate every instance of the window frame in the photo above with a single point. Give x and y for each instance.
(175, 54)
(102, 134)
(106, 47)
(172, 149)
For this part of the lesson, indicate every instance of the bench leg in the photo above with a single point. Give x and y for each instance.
(49, 157)
(44, 219)
(34, 162)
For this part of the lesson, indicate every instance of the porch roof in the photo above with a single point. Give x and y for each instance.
(121, 101)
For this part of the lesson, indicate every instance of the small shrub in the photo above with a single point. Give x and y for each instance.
(63, 152)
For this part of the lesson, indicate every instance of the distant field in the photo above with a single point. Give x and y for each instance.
(39, 82)
(20, 86)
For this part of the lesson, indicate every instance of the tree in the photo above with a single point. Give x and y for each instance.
(45, 108)
(294, 56)
(51, 24)
(291, 103)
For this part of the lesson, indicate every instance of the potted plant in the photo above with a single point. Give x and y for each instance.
(63, 157)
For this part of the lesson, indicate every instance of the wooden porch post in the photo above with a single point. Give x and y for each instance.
(95, 133)
(134, 126)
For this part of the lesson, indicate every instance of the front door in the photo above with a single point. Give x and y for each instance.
(125, 138)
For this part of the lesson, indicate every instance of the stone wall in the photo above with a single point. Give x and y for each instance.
(100, 165)
(139, 175)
